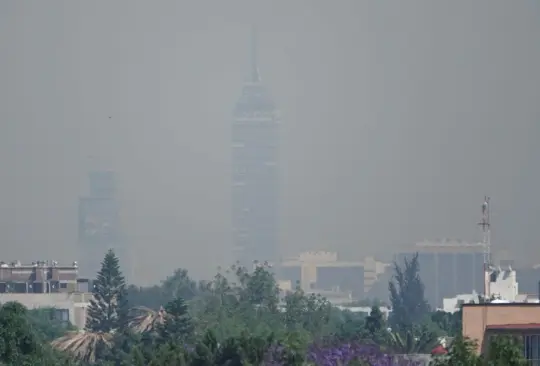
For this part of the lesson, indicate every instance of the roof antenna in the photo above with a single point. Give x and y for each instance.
(255, 76)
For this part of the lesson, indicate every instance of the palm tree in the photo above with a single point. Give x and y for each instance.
(146, 320)
(83, 345)
(410, 342)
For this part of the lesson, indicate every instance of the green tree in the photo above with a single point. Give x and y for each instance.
(351, 326)
(412, 341)
(258, 288)
(375, 321)
(177, 326)
(448, 323)
(462, 353)
(151, 297)
(108, 309)
(45, 324)
(20, 345)
(375, 326)
(17, 342)
(179, 285)
(504, 350)
(311, 313)
(409, 305)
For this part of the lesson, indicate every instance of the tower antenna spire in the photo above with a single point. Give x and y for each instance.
(255, 76)
(485, 224)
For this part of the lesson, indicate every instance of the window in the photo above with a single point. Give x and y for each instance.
(532, 348)
(62, 315)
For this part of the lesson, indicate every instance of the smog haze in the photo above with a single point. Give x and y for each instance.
(397, 119)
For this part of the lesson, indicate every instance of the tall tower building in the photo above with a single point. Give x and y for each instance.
(255, 143)
(98, 222)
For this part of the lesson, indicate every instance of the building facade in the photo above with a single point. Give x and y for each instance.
(38, 277)
(481, 321)
(47, 284)
(98, 222)
(255, 143)
(448, 268)
(323, 272)
(69, 307)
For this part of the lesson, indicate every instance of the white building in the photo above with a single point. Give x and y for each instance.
(70, 307)
(501, 285)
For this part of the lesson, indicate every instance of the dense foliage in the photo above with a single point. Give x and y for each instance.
(239, 318)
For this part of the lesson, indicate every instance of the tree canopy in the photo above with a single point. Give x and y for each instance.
(239, 318)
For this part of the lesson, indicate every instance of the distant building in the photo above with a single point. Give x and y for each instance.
(374, 270)
(99, 220)
(323, 272)
(502, 286)
(379, 288)
(481, 321)
(528, 278)
(255, 144)
(448, 268)
(47, 284)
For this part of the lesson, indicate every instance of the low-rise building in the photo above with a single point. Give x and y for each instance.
(501, 285)
(46, 284)
(69, 307)
(323, 271)
(480, 321)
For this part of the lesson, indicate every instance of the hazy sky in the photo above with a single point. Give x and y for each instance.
(398, 116)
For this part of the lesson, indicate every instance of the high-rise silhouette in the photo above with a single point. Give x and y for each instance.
(255, 144)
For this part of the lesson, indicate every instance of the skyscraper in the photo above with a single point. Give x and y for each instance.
(255, 170)
(98, 222)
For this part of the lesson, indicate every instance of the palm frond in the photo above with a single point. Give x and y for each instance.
(83, 345)
(144, 320)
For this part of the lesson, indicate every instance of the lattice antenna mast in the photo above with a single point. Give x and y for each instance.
(486, 232)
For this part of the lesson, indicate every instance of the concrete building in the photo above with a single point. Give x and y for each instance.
(502, 285)
(373, 270)
(323, 271)
(480, 321)
(38, 277)
(47, 284)
(447, 268)
(255, 144)
(68, 306)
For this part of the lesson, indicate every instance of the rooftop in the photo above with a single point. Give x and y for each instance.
(513, 326)
(46, 263)
(502, 304)
(445, 246)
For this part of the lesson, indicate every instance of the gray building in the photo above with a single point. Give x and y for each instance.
(448, 268)
(255, 171)
(98, 222)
